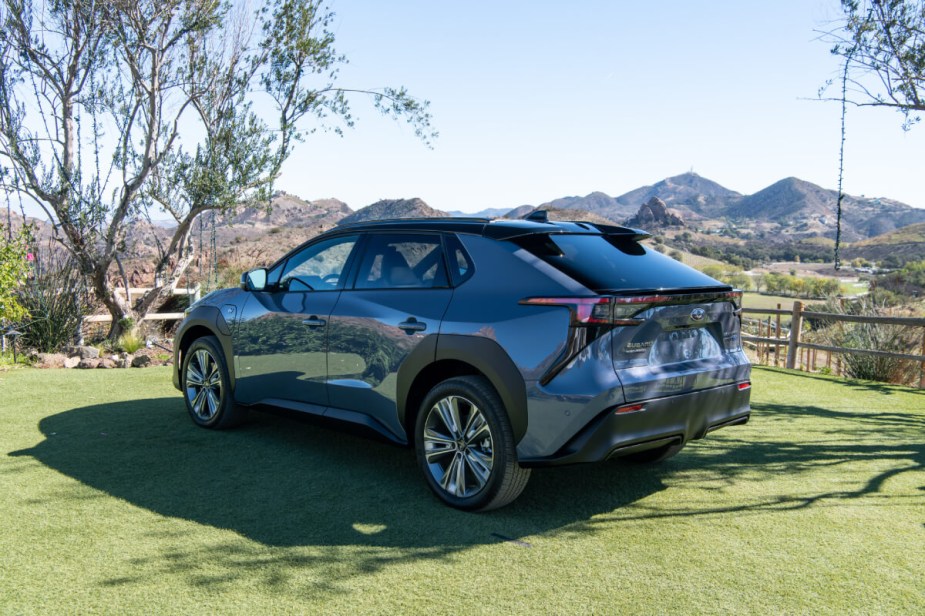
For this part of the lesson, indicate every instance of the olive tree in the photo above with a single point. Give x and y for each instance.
(110, 109)
(883, 46)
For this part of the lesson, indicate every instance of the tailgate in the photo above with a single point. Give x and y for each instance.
(682, 343)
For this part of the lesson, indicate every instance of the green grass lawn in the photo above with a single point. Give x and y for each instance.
(111, 501)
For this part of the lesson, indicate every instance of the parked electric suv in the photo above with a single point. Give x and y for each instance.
(490, 346)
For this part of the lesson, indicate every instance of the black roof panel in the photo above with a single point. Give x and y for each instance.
(500, 228)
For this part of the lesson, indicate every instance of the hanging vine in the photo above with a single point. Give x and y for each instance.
(841, 164)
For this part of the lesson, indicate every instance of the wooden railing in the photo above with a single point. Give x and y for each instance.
(802, 354)
(193, 293)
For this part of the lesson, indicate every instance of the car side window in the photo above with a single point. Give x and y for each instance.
(402, 261)
(319, 267)
(460, 263)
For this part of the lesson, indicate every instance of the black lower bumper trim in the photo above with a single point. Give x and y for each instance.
(665, 421)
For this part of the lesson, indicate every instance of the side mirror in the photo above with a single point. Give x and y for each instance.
(254, 280)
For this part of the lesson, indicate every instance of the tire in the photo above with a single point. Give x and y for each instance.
(206, 386)
(653, 456)
(465, 446)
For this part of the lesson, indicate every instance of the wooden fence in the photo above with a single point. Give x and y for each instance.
(194, 294)
(804, 355)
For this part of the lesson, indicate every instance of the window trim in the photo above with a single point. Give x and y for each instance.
(451, 242)
(277, 268)
(361, 253)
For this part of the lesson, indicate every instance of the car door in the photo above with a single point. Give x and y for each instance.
(397, 298)
(280, 340)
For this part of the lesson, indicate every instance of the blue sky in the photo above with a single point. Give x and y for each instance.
(539, 100)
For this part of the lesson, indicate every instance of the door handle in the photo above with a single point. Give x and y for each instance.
(314, 322)
(412, 325)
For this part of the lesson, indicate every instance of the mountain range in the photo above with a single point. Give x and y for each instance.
(790, 210)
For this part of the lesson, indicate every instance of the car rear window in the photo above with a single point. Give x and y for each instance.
(609, 263)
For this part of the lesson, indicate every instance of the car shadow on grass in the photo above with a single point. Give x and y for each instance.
(284, 481)
(327, 506)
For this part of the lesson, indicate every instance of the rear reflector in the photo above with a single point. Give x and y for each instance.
(745, 385)
(630, 408)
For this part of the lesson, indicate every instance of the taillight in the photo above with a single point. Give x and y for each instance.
(745, 385)
(622, 310)
(589, 311)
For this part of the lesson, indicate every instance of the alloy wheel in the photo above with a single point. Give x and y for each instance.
(458, 446)
(203, 384)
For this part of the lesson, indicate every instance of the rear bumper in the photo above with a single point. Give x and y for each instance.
(664, 421)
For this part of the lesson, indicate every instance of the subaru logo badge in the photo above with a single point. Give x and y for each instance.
(697, 314)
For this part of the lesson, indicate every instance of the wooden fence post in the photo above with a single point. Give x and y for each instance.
(922, 366)
(796, 325)
(777, 335)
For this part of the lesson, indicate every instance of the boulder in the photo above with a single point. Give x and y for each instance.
(50, 360)
(126, 361)
(83, 352)
(106, 362)
(141, 361)
(88, 364)
(71, 362)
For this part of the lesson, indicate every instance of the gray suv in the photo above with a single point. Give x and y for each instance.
(490, 346)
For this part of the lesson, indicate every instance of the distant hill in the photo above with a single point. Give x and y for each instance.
(687, 191)
(804, 209)
(393, 208)
(788, 197)
(491, 212)
(570, 214)
(290, 210)
(520, 212)
(597, 203)
(905, 243)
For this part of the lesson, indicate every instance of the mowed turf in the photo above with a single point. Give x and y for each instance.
(111, 501)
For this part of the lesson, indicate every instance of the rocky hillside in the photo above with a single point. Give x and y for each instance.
(804, 209)
(393, 208)
(687, 192)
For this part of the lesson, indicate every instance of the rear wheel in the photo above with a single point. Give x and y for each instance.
(207, 386)
(465, 446)
(652, 456)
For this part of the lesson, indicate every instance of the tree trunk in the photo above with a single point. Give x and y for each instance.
(123, 317)
(160, 293)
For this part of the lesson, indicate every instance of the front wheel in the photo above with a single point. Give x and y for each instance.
(465, 446)
(206, 386)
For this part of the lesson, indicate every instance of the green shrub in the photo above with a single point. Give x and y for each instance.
(130, 343)
(872, 337)
(56, 299)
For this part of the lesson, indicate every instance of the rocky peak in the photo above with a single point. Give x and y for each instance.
(654, 213)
